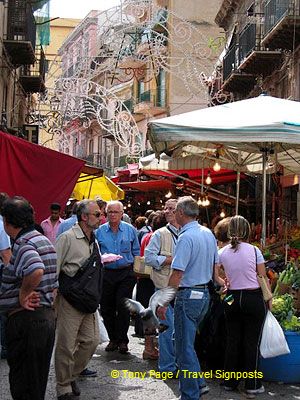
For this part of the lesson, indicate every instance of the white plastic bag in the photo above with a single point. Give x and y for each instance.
(273, 342)
(103, 336)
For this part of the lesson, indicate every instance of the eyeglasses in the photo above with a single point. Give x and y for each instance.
(96, 214)
(114, 212)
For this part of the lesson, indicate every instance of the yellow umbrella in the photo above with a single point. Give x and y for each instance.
(93, 187)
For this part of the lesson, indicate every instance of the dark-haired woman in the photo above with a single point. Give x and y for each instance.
(245, 313)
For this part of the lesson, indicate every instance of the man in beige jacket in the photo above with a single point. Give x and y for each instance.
(77, 332)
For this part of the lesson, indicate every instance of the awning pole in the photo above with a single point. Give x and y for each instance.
(238, 182)
(264, 197)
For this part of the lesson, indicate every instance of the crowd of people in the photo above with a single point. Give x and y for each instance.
(41, 263)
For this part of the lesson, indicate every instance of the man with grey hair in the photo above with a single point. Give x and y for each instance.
(77, 332)
(195, 257)
(118, 237)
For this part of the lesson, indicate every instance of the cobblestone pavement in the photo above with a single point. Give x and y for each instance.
(105, 387)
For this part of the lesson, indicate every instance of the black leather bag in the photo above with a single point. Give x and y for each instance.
(83, 290)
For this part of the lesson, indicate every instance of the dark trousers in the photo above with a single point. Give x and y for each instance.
(144, 290)
(30, 340)
(3, 321)
(244, 320)
(117, 284)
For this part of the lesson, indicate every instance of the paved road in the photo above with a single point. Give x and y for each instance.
(104, 387)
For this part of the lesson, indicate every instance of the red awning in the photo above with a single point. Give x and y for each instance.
(223, 176)
(41, 175)
(147, 186)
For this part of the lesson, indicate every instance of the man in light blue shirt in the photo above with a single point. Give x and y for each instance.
(118, 237)
(195, 257)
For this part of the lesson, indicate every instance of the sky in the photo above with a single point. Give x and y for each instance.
(78, 8)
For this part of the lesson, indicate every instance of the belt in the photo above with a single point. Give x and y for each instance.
(204, 286)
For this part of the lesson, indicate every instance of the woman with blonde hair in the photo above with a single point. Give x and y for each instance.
(245, 309)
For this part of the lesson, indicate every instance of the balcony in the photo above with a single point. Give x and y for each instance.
(234, 80)
(253, 57)
(246, 60)
(19, 40)
(32, 78)
(282, 24)
(151, 102)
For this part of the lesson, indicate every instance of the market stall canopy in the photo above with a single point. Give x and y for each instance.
(91, 187)
(148, 186)
(239, 131)
(41, 175)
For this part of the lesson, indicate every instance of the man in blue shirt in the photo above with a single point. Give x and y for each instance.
(117, 237)
(195, 257)
(69, 222)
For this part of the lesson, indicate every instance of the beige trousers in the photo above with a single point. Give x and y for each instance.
(77, 337)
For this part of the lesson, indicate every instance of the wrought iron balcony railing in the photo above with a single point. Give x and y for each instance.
(248, 41)
(230, 62)
(32, 77)
(20, 36)
(275, 10)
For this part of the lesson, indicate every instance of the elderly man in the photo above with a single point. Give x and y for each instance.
(28, 281)
(118, 237)
(195, 257)
(77, 331)
(159, 254)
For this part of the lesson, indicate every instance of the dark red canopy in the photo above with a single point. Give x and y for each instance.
(41, 175)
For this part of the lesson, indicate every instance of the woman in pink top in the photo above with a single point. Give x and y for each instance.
(246, 314)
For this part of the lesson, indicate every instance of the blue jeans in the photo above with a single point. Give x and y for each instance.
(166, 360)
(188, 313)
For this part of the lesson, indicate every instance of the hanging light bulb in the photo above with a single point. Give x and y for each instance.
(168, 195)
(160, 201)
(124, 207)
(222, 214)
(148, 202)
(208, 179)
(217, 165)
(199, 202)
(129, 205)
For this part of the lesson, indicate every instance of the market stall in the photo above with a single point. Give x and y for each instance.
(259, 134)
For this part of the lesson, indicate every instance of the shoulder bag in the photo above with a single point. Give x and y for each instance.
(83, 290)
(262, 280)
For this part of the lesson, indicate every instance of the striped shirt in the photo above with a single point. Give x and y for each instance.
(31, 251)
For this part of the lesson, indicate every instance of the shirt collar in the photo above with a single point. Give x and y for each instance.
(189, 225)
(120, 227)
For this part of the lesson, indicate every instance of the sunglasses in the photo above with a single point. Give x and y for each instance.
(96, 214)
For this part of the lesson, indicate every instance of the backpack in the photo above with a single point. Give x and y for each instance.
(83, 290)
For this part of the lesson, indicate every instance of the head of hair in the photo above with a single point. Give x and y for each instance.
(238, 231)
(221, 230)
(113, 203)
(83, 207)
(55, 207)
(140, 222)
(3, 197)
(75, 207)
(159, 220)
(148, 212)
(171, 201)
(189, 206)
(18, 212)
(150, 218)
(101, 203)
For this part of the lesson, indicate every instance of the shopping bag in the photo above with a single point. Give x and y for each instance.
(103, 335)
(273, 342)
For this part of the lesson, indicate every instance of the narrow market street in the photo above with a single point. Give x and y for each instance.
(147, 388)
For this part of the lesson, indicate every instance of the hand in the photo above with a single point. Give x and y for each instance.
(31, 301)
(161, 312)
(270, 304)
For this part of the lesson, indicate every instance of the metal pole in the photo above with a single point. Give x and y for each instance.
(264, 197)
(238, 182)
